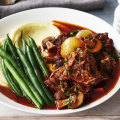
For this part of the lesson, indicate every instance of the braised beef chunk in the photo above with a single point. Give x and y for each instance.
(106, 41)
(82, 70)
(59, 61)
(60, 39)
(106, 62)
(59, 95)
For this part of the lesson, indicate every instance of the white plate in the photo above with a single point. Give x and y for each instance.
(61, 14)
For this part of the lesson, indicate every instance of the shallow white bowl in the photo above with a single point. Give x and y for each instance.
(61, 14)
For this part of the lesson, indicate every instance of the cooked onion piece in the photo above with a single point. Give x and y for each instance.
(69, 45)
(84, 33)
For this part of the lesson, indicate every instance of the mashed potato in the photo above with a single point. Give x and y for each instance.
(37, 30)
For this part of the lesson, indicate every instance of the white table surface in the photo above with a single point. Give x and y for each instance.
(106, 111)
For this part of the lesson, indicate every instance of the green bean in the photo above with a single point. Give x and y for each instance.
(37, 72)
(5, 55)
(13, 84)
(38, 57)
(24, 44)
(15, 55)
(16, 89)
(21, 83)
(32, 75)
(13, 51)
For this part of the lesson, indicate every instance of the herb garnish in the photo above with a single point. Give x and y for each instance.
(116, 57)
(75, 49)
(70, 34)
(68, 101)
(62, 84)
(68, 90)
(70, 98)
(77, 91)
(70, 72)
(65, 61)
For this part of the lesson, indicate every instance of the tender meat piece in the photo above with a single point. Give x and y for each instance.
(71, 58)
(59, 95)
(101, 36)
(106, 41)
(59, 61)
(83, 70)
(60, 39)
(79, 87)
(107, 63)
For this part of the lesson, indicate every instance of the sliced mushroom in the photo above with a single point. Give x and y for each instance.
(51, 39)
(93, 46)
(62, 103)
(75, 102)
(79, 101)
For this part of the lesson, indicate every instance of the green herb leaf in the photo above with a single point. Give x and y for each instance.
(68, 105)
(77, 91)
(62, 84)
(72, 33)
(75, 49)
(116, 57)
(66, 102)
(68, 91)
(70, 72)
(65, 61)
(70, 98)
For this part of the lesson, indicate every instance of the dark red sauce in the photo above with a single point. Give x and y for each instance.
(67, 27)
(98, 93)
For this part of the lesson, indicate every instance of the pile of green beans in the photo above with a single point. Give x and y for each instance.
(21, 70)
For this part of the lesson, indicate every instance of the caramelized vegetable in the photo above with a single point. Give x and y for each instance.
(69, 45)
(84, 33)
(93, 46)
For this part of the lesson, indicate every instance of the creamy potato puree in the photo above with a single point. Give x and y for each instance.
(37, 30)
